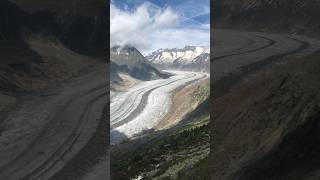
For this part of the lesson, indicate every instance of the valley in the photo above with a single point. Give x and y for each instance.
(239, 58)
(147, 109)
(262, 118)
(259, 88)
(53, 90)
(143, 106)
(265, 92)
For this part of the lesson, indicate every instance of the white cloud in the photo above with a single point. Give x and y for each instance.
(149, 27)
(167, 18)
(178, 38)
(135, 28)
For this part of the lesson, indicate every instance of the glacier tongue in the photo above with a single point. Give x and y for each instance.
(157, 106)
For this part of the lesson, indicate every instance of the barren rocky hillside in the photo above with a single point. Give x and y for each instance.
(35, 43)
(52, 54)
(287, 16)
(267, 126)
(129, 60)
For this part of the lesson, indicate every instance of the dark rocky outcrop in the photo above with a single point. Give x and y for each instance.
(129, 60)
(77, 24)
(13, 49)
(85, 33)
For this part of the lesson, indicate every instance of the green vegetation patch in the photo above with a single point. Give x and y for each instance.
(168, 157)
(202, 92)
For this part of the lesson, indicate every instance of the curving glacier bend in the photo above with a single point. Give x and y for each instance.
(143, 106)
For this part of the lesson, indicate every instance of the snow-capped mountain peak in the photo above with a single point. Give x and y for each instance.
(186, 55)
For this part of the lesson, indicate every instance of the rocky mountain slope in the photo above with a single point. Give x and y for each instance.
(128, 59)
(171, 152)
(79, 27)
(287, 16)
(189, 57)
(27, 37)
(46, 48)
(78, 7)
(267, 126)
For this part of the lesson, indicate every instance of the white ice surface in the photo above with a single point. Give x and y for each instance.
(158, 104)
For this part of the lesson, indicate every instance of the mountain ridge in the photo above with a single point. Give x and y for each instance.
(27, 36)
(188, 58)
(129, 60)
(281, 16)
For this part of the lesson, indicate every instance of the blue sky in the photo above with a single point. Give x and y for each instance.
(153, 24)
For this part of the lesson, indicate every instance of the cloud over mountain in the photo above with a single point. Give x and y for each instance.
(136, 27)
(149, 26)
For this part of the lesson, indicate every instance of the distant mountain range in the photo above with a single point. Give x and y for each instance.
(189, 58)
(128, 59)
